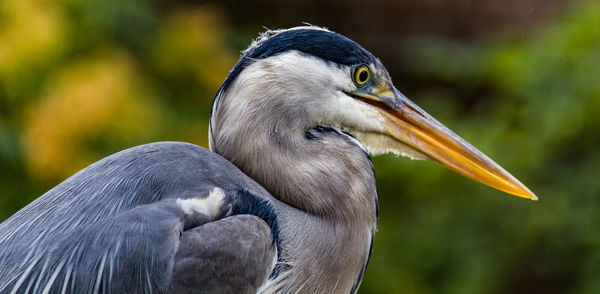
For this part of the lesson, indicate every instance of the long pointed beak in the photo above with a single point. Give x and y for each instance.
(408, 123)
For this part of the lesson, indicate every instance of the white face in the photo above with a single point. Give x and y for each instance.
(311, 92)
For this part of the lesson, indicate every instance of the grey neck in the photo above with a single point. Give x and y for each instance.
(322, 171)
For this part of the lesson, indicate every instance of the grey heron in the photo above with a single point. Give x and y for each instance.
(286, 202)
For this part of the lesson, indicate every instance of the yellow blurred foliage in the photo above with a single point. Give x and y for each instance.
(32, 33)
(98, 102)
(98, 98)
(192, 40)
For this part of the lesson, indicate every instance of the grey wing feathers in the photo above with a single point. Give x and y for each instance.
(206, 262)
(115, 226)
(131, 253)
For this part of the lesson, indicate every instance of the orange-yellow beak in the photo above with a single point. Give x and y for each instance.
(409, 124)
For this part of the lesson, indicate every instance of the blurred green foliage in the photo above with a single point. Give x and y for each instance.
(538, 118)
(82, 79)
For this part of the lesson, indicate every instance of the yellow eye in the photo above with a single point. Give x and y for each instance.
(362, 75)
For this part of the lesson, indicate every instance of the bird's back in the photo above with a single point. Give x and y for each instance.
(115, 195)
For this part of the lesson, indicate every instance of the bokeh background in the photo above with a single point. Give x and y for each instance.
(81, 79)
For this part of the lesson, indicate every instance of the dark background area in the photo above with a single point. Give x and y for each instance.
(81, 79)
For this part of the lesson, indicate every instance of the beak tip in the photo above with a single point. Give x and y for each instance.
(526, 193)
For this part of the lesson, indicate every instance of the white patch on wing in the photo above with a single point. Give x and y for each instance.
(208, 206)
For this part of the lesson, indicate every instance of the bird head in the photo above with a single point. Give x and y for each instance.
(297, 79)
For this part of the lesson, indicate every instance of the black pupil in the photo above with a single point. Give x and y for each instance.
(362, 76)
